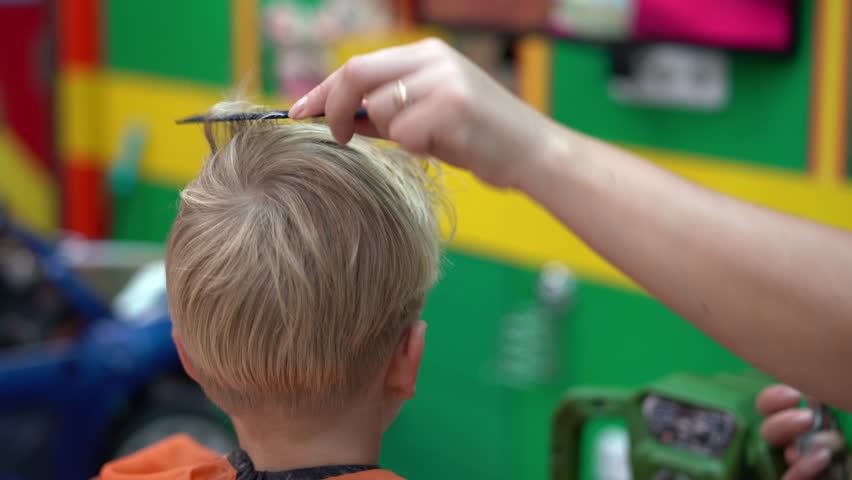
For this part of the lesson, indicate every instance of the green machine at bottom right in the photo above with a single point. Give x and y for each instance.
(683, 427)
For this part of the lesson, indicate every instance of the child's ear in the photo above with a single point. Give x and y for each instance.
(183, 358)
(401, 378)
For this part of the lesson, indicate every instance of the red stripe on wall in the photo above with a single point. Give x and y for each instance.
(79, 32)
(85, 202)
(85, 199)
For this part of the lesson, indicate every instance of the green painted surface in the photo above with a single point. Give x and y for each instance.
(466, 418)
(765, 121)
(186, 39)
(145, 213)
(626, 339)
(268, 77)
(460, 422)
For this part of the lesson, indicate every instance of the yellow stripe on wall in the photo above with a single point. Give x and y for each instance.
(509, 226)
(497, 223)
(28, 192)
(360, 44)
(783, 190)
(78, 103)
(172, 153)
(245, 46)
(831, 86)
(534, 63)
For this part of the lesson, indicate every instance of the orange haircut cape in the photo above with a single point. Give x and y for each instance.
(181, 458)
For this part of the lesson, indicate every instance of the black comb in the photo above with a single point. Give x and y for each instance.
(265, 115)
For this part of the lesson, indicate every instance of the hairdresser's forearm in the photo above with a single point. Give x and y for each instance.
(774, 289)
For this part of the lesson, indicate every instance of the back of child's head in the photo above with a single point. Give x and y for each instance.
(295, 263)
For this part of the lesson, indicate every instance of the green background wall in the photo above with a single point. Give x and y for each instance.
(765, 122)
(464, 422)
(191, 40)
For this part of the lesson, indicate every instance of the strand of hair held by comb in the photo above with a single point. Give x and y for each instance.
(251, 116)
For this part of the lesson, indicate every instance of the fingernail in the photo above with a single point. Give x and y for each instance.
(297, 107)
(789, 392)
(816, 462)
(805, 417)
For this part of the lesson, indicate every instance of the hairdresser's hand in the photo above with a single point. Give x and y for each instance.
(453, 110)
(786, 422)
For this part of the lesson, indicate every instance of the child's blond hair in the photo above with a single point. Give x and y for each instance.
(295, 263)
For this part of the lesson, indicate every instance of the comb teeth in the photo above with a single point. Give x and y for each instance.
(269, 115)
(241, 117)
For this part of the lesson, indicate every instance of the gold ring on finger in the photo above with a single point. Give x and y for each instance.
(400, 95)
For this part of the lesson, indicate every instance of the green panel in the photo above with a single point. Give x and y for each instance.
(145, 214)
(460, 422)
(626, 339)
(186, 39)
(462, 418)
(765, 122)
(268, 76)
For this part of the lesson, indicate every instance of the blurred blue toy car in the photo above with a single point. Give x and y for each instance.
(80, 384)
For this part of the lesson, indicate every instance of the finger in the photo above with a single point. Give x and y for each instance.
(783, 427)
(313, 102)
(776, 398)
(377, 67)
(831, 440)
(810, 466)
(792, 453)
(343, 93)
(360, 76)
(363, 126)
(414, 127)
(383, 102)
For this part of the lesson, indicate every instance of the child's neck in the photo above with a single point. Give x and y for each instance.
(276, 445)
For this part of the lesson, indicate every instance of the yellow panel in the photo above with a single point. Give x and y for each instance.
(28, 192)
(498, 223)
(779, 189)
(534, 64)
(172, 152)
(361, 44)
(78, 105)
(831, 89)
(510, 226)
